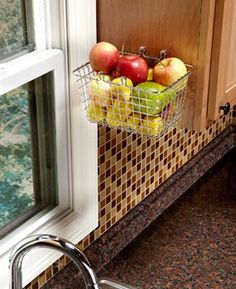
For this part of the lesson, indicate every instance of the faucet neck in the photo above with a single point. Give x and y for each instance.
(55, 243)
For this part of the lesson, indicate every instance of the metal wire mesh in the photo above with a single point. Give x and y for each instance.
(128, 108)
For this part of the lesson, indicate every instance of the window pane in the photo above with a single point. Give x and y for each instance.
(14, 33)
(27, 152)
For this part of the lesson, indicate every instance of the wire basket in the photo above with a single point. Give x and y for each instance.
(128, 108)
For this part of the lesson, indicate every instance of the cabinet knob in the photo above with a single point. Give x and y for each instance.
(225, 108)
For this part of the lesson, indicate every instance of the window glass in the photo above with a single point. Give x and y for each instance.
(14, 26)
(27, 152)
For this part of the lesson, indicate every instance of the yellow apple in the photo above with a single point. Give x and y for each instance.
(121, 88)
(151, 125)
(150, 74)
(112, 118)
(99, 90)
(169, 70)
(95, 113)
(122, 108)
(133, 121)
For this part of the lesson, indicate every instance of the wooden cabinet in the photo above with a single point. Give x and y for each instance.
(223, 64)
(188, 29)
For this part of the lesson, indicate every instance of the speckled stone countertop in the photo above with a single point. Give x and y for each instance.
(192, 244)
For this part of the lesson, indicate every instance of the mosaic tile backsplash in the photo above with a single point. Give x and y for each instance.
(130, 168)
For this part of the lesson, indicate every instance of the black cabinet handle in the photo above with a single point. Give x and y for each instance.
(225, 108)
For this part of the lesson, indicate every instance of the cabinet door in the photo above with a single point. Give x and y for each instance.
(223, 65)
(183, 27)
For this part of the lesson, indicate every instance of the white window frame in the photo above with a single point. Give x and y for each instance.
(77, 212)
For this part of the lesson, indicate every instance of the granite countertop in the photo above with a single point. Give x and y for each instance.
(192, 244)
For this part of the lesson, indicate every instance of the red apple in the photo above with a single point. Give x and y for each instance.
(103, 57)
(169, 70)
(133, 67)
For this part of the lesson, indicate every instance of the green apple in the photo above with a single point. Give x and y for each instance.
(99, 90)
(151, 125)
(121, 88)
(150, 97)
(95, 113)
(122, 108)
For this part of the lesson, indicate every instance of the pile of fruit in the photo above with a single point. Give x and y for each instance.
(125, 92)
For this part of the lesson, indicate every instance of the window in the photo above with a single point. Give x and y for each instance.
(27, 158)
(15, 33)
(51, 149)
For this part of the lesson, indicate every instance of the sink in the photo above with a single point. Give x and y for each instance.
(106, 283)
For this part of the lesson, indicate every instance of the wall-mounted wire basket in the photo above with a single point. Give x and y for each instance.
(128, 108)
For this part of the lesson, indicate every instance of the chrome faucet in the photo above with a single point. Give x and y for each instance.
(53, 242)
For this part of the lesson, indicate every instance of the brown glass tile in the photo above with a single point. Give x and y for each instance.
(35, 285)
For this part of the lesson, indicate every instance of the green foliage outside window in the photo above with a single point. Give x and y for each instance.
(12, 26)
(16, 181)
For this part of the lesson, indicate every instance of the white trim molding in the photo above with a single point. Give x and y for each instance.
(81, 37)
